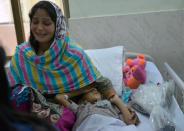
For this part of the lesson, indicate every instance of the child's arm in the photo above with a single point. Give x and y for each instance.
(129, 116)
(105, 87)
(66, 102)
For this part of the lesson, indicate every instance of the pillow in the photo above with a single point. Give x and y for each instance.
(109, 62)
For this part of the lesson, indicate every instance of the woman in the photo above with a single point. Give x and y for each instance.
(52, 65)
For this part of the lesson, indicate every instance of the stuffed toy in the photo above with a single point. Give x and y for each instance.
(134, 72)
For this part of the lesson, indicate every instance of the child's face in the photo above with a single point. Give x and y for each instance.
(42, 27)
(92, 95)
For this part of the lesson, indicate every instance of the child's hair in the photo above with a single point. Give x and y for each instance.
(49, 8)
(78, 99)
(9, 118)
(82, 97)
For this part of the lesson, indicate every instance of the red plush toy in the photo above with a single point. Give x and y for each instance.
(134, 72)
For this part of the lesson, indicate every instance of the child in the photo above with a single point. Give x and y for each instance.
(92, 102)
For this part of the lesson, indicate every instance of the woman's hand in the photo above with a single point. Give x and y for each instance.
(62, 99)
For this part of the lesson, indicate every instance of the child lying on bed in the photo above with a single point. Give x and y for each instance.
(91, 102)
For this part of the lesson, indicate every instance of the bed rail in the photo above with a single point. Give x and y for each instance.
(134, 55)
(179, 90)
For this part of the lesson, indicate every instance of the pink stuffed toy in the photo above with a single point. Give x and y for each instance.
(134, 72)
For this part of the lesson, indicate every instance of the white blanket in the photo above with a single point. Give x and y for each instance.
(98, 122)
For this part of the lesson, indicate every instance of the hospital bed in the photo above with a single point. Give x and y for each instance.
(153, 76)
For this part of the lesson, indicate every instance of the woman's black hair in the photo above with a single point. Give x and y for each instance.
(49, 8)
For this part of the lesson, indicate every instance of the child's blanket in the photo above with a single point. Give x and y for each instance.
(98, 122)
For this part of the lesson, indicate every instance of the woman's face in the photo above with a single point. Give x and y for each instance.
(42, 27)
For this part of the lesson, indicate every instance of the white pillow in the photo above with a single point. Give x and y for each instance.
(109, 62)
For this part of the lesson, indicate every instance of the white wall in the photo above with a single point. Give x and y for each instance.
(90, 8)
(155, 27)
(159, 34)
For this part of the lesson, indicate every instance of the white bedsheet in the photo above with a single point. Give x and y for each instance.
(153, 75)
(176, 113)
